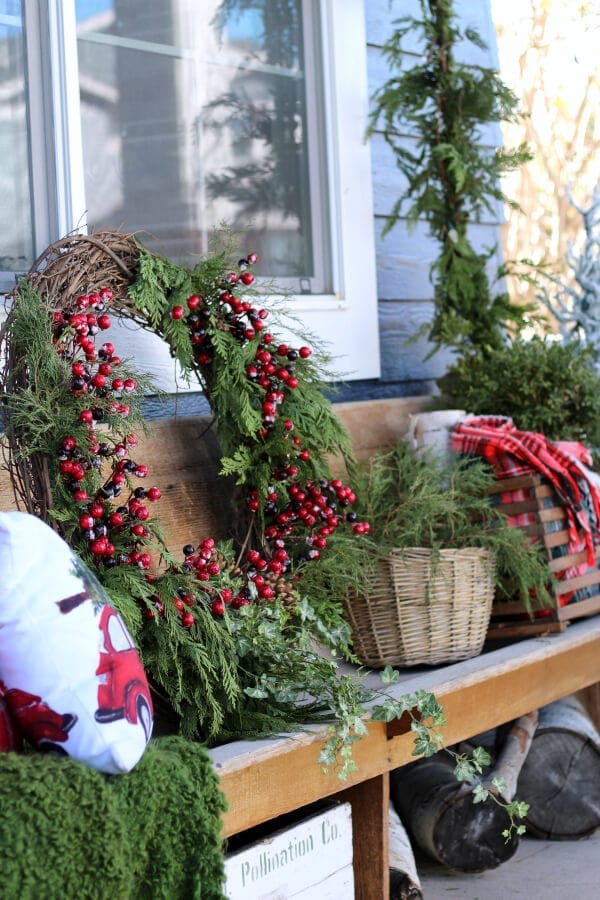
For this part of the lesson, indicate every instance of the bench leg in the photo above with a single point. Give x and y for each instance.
(370, 836)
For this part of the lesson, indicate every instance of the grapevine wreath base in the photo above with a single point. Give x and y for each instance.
(224, 631)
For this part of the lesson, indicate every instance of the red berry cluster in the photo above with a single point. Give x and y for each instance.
(304, 521)
(305, 515)
(118, 534)
(231, 314)
(93, 378)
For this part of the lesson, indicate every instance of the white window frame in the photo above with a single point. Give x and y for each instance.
(346, 320)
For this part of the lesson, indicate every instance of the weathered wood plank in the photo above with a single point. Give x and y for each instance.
(476, 694)
(370, 836)
(378, 423)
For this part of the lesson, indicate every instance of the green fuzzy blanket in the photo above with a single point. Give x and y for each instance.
(68, 832)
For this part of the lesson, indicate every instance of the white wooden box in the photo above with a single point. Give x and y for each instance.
(310, 860)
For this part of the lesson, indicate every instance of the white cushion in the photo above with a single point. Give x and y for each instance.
(72, 677)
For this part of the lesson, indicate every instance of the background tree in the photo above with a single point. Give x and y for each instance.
(549, 55)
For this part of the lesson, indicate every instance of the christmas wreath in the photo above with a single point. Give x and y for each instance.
(223, 629)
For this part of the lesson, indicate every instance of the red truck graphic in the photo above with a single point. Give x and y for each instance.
(39, 723)
(123, 690)
(10, 737)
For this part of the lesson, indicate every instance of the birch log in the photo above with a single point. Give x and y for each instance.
(404, 879)
(561, 776)
(439, 812)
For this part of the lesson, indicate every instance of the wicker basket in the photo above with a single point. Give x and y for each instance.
(422, 611)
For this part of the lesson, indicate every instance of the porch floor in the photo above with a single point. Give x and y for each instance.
(539, 870)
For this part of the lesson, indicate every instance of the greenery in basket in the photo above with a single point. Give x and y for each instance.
(544, 385)
(428, 502)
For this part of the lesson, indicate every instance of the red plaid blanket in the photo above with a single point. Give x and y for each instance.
(565, 465)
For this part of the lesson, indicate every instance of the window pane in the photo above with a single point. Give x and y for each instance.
(195, 114)
(16, 239)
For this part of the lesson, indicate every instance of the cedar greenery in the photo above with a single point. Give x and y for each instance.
(440, 105)
(542, 384)
(413, 502)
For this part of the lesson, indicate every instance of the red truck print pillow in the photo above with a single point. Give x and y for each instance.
(70, 677)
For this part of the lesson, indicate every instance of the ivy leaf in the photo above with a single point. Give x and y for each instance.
(389, 675)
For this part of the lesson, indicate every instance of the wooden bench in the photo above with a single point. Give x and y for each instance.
(268, 778)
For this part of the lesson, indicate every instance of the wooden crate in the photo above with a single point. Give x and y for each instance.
(532, 500)
(310, 858)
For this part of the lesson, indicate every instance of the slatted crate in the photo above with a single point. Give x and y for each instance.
(541, 515)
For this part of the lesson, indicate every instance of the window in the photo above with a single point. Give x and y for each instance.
(16, 250)
(170, 118)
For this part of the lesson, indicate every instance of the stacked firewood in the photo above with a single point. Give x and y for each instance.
(549, 759)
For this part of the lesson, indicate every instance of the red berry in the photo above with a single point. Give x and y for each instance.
(193, 302)
(129, 385)
(96, 510)
(69, 443)
(187, 619)
(78, 369)
(99, 380)
(305, 352)
(226, 595)
(104, 322)
(153, 493)
(177, 312)
(247, 277)
(86, 522)
(252, 259)
(117, 384)
(238, 602)
(86, 416)
(115, 519)
(217, 607)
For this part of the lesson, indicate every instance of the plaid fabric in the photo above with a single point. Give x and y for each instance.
(564, 465)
